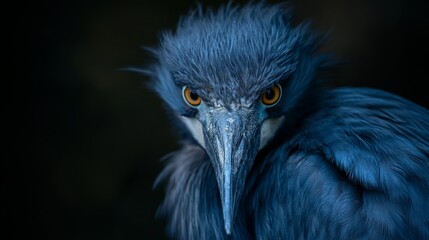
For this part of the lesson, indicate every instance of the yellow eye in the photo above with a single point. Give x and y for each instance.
(191, 98)
(272, 96)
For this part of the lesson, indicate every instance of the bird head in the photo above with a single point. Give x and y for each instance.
(234, 77)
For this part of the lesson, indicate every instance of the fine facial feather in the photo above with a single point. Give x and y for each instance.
(268, 130)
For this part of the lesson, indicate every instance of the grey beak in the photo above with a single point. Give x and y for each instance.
(232, 142)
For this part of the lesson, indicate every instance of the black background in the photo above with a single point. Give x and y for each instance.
(84, 139)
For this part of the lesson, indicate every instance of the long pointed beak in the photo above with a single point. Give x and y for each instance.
(232, 141)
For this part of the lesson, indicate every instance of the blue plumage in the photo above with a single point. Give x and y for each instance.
(348, 163)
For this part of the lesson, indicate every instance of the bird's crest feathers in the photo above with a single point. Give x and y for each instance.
(235, 53)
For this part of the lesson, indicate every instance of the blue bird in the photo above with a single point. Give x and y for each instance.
(268, 152)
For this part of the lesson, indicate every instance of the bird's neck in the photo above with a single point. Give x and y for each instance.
(192, 202)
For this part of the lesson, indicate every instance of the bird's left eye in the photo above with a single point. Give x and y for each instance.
(191, 98)
(272, 96)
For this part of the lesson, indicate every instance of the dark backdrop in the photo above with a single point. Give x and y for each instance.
(85, 140)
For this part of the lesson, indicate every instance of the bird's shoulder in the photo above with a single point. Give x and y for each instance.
(379, 140)
(363, 156)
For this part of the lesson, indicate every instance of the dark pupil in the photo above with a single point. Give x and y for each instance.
(269, 94)
(193, 96)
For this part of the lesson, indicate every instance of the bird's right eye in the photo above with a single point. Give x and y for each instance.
(191, 98)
